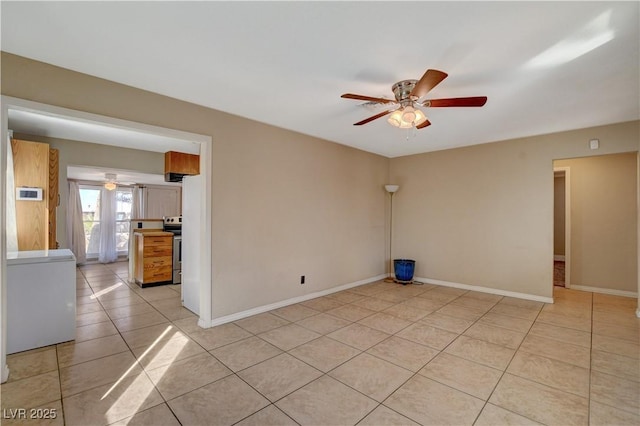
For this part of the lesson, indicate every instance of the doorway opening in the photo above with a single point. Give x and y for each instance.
(561, 227)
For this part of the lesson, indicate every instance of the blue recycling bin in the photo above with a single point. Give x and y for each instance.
(403, 269)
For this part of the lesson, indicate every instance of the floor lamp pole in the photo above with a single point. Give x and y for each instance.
(391, 189)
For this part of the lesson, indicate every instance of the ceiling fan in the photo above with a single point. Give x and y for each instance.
(405, 112)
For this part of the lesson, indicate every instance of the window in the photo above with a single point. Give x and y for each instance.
(90, 197)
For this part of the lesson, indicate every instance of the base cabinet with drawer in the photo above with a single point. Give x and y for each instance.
(154, 257)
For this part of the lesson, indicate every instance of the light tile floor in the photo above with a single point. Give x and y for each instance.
(379, 354)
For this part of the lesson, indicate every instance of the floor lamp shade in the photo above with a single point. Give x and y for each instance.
(391, 188)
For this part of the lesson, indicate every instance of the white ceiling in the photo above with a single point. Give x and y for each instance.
(545, 66)
(43, 124)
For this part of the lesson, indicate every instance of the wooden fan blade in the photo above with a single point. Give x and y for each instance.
(423, 125)
(375, 117)
(476, 101)
(368, 98)
(429, 80)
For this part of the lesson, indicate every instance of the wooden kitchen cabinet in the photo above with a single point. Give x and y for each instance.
(154, 256)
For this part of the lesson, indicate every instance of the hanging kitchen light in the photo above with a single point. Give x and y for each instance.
(110, 183)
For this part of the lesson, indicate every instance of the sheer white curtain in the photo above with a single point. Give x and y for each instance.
(12, 227)
(108, 251)
(75, 227)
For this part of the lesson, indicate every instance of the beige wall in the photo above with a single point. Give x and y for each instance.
(284, 204)
(74, 153)
(603, 221)
(483, 215)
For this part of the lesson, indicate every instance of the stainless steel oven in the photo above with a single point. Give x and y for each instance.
(173, 224)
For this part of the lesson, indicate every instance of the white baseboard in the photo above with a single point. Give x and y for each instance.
(487, 290)
(610, 291)
(559, 257)
(265, 308)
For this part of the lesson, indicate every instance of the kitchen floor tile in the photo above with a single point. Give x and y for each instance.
(95, 331)
(556, 374)
(147, 336)
(31, 392)
(605, 415)
(561, 334)
(505, 321)
(322, 304)
(617, 346)
(323, 323)
(406, 312)
(385, 322)
(167, 351)
(140, 321)
(495, 335)
(110, 403)
(228, 401)
(87, 375)
(539, 402)
(350, 312)
(279, 376)
(383, 416)
(182, 376)
(372, 376)
(447, 322)
(493, 415)
(289, 336)
(324, 353)
(221, 335)
(32, 363)
(326, 401)
(160, 415)
(359, 336)
(466, 376)
(404, 353)
(75, 353)
(616, 365)
(615, 391)
(295, 312)
(565, 352)
(269, 416)
(373, 304)
(482, 352)
(245, 353)
(428, 335)
(262, 322)
(428, 402)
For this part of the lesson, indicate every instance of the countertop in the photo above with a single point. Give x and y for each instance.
(153, 233)
(39, 256)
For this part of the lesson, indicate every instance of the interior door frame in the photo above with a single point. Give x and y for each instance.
(567, 223)
(205, 142)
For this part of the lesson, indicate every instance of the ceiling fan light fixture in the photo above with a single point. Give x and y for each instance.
(110, 184)
(395, 119)
(406, 117)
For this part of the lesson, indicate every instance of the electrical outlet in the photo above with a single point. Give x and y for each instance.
(301, 279)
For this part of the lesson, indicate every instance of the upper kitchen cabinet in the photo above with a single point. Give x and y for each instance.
(178, 164)
(35, 168)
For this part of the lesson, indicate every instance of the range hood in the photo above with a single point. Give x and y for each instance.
(179, 164)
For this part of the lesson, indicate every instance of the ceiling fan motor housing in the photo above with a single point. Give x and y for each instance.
(402, 89)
